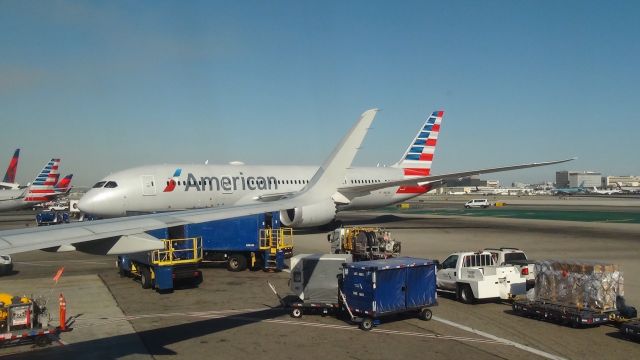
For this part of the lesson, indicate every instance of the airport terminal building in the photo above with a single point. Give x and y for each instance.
(567, 179)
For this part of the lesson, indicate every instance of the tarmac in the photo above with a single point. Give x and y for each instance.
(234, 315)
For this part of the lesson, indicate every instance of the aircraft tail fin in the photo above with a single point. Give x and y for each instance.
(12, 169)
(44, 185)
(418, 157)
(64, 185)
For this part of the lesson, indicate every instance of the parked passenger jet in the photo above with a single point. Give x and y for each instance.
(129, 234)
(160, 188)
(44, 188)
(9, 180)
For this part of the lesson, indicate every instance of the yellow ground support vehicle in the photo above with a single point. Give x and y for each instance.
(364, 243)
(24, 320)
(159, 269)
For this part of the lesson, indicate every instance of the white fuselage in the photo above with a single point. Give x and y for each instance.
(13, 200)
(149, 189)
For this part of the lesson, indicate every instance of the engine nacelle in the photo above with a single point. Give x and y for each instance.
(309, 216)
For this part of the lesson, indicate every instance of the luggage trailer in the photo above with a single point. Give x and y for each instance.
(563, 314)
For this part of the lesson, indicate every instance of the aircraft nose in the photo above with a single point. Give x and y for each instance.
(87, 204)
(100, 203)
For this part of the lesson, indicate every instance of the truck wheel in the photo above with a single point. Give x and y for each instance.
(145, 277)
(237, 262)
(425, 314)
(296, 313)
(366, 324)
(466, 294)
(42, 341)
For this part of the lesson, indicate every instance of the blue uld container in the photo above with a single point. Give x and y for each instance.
(381, 287)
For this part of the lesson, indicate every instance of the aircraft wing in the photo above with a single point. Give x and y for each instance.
(127, 235)
(359, 190)
(20, 240)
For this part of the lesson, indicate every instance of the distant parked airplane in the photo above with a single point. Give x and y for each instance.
(44, 188)
(571, 190)
(594, 190)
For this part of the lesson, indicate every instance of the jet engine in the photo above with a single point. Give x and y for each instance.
(309, 216)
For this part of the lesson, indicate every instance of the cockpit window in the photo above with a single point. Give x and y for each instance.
(99, 184)
(111, 185)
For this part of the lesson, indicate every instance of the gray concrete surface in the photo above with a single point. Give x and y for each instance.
(93, 309)
(234, 314)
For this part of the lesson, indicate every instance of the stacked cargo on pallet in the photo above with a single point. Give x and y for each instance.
(576, 293)
(583, 284)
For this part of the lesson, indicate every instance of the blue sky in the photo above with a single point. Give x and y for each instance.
(112, 84)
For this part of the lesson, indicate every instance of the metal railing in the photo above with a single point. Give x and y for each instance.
(276, 239)
(178, 251)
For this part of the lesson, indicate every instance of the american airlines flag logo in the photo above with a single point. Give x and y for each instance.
(171, 184)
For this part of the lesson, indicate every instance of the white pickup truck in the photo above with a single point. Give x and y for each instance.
(517, 258)
(475, 275)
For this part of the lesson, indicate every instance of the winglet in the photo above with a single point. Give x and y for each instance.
(331, 174)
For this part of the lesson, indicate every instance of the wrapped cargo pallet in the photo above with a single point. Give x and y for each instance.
(583, 284)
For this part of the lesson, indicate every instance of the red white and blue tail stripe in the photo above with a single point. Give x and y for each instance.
(417, 160)
(43, 187)
(12, 169)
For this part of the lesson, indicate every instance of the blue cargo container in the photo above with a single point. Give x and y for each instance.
(237, 241)
(373, 289)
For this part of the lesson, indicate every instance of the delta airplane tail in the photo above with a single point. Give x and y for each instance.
(64, 185)
(417, 160)
(44, 186)
(12, 169)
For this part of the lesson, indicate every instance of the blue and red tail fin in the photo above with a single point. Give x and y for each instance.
(44, 185)
(12, 169)
(64, 185)
(417, 160)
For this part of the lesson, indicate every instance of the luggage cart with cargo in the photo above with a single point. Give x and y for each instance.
(315, 279)
(374, 289)
(574, 293)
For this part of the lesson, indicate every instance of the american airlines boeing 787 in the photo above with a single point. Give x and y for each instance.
(162, 188)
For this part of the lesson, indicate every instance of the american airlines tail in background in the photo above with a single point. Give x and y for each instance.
(45, 187)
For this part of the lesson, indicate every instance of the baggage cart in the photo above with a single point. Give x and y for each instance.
(563, 314)
(631, 330)
(374, 289)
(315, 279)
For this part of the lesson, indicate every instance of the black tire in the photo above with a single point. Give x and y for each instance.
(145, 278)
(42, 341)
(296, 313)
(196, 281)
(237, 262)
(465, 294)
(366, 324)
(425, 314)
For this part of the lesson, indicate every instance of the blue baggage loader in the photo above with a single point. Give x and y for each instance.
(372, 289)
